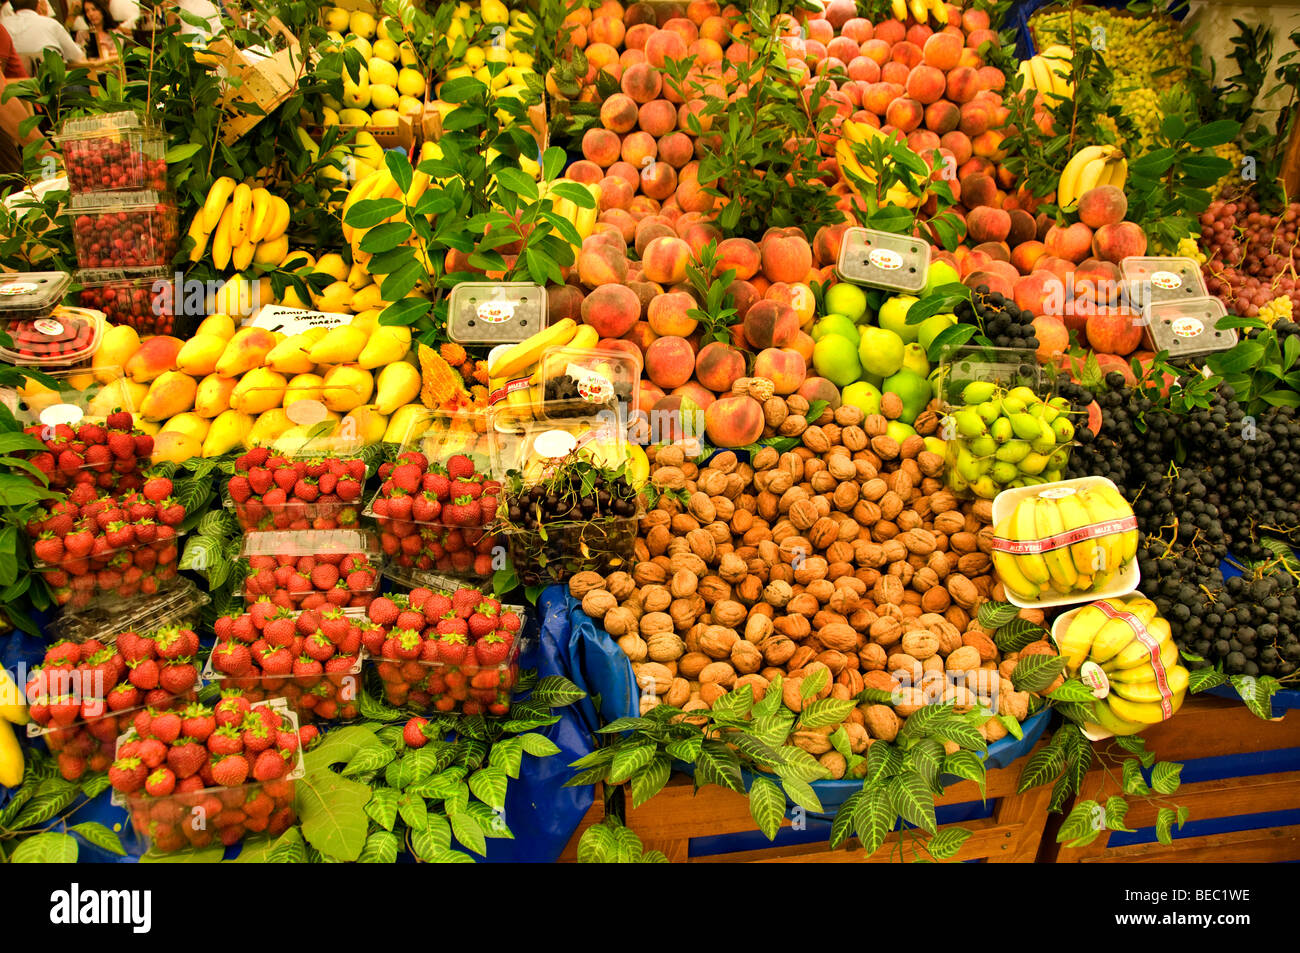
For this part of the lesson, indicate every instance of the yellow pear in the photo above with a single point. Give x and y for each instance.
(300, 259)
(340, 345)
(116, 347)
(303, 387)
(363, 426)
(268, 427)
(258, 391)
(199, 355)
(227, 433)
(387, 345)
(336, 297)
(156, 355)
(366, 321)
(369, 298)
(333, 265)
(145, 426)
(396, 385)
(170, 393)
(362, 24)
(407, 424)
(245, 351)
(410, 82)
(172, 446)
(213, 395)
(347, 386)
(272, 251)
(222, 325)
(188, 423)
(292, 355)
(337, 19)
(120, 394)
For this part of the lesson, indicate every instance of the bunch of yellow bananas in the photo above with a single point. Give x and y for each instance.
(921, 10)
(1125, 650)
(1088, 168)
(1060, 567)
(518, 370)
(13, 711)
(852, 133)
(245, 225)
(1048, 74)
(380, 184)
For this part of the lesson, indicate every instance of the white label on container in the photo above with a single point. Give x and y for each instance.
(885, 259)
(1166, 280)
(1058, 492)
(592, 386)
(1186, 327)
(306, 412)
(1091, 674)
(291, 321)
(9, 289)
(57, 414)
(554, 444)
(496, 312)
(48, 327)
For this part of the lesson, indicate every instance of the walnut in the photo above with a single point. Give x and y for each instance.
(585, 582)
(881, 722)
(597, 602)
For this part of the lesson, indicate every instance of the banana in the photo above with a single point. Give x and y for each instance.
(1093, 175)
(1111, 545)
(1026, 75)
(200, 236)
(221, 242)
(13, 702)
(1121, 508)
(241, 256)
(1076, 641)
(526, 353)
(1033, 565)
(260, 221)
(1060, 76)
(1107, 720)
(241, 201)
(1067, 191)
(1008, 568)
(279, 223)
(918, 10)
(215, 201)
(1137, 656)
(1146, 713)
(940, 10)
(1073, 515)
(1042, 76)
(1117, 633)
(11, 757)
(1047, 522)
(900, 10)
(1118, 173)
(1149, 690)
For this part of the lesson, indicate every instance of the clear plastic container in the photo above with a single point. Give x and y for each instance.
(309, 569)
(538, 447)
(577, 382)
(113, 575)
(1188, 327)
(495, 312)
(447, 688)
(1005, 366)
(181, 604)
(124, 229)
(216, 815)
(64, 338)
(33, 295)
(330, 696)
(330, 495)
(1157, 279)
(883, 260)
(141, 298)
(113, 152)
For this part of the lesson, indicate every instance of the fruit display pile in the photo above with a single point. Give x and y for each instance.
(802, 396)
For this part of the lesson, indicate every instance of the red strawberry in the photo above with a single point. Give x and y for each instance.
(306, 667)
(157, 488)
(438, 485)
(492, 649)
(360, 580)
(127, 775)
(123, 697)
(144, 674)
(186, 757)
(166, 727)
(382, 611)
(465, 601)
(410, 619)
(348, 490)
(285, 478)
(162, 782)
(280, 631)
(178, 677)
(276, 661)
(413, 732)
(510, 622)
(151, 752)
(122, 445)
(231, 710)
(324, 576)
(226, 740)
(460, 466)
(318, 647)
(198, 723)
(452, 648)
(407, 477)
(171, 513)
(306, 490)
(269, 766)
(230, 771)
(48, 549)
(483, 620)
(79, 543)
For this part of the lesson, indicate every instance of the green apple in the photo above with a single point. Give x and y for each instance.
(836, 359)
(848, 300)
(899, 430)
(914, 359)
(836, 324)
(941, 273)
(881, 351)
(913, 389)
(862, 395)
(893, 317)
(929, 329)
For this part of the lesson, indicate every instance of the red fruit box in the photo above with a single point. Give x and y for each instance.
(141, 298)
(64, 338)
(124, 229)
(282, 492)
(312, 568)
(113, 152)
(215, 815)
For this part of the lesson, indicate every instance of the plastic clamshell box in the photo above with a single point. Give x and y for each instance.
(124, 229)
(1188, 328)
(33, 295)
(441, 434)
(288, 547)
(1006, 366)
(303, 693)
(1155, 279)
(445, 688)
(1122, 584)
(254, 515)
(495, 312)
(107, 576)
(602, 379)
(312, 431)
(181, 604)
(64, 338)
(90, 737)
(141, 298)
(113, 152)
(200, 818)
(883, 260)
(540, 445)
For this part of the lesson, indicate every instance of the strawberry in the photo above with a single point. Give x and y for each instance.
(162, 782)
(406, 477)
(462, 511)
(259, 480)
(307, 667)
(399, 507)
(360, 580)
(253, 458)
(324, 576)
(280, 631)
(348, 490)
(276, 661)
(152, 752)
(166, 727)
(127, 775)
(122, 446)
(198, 723)
(483, 620)
(460, 467)
(452, 648)
(48, 549)
(144, 674)
(231, 710)
(230, 771)
(413, 732)
(171, 513)
(510, 622)
(256, 736)
(226, 740)
(438, 485)
(285, 478)
(465, 601)
(269, 766)
(410, 619)
(186, 757)
(78, 544)
(178, 677)
(123, 697)
(318, 647)
(382, 611)
(306, 490)
(168, 643)
(406, 643)
(492, 649)
(157, 488)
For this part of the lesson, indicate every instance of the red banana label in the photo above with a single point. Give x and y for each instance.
(1031, 547)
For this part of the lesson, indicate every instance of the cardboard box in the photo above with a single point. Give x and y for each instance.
(264, 79)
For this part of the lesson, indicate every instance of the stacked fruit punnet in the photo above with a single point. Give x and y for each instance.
(516, 386)
(432, 516)
(310, 569)
(210, 775)
(107, 456)
(278, 492)
(446, 651)
(311, 658)
(243, 224)
(130, 230)
(84, 694)
(1125, 651)
(1065, 540)
(1001, 439)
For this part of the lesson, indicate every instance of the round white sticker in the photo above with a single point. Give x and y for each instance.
(885, 259)
(1091, 674)
(306, 412)
(555, 444)
(1186, 327)
(18, 288)
(48, 327)
(1166, 280)
(1058, 492)
(57, 414)
(495, 312)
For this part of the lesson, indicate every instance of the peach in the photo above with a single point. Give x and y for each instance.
(686, 29)
(814, 389)
(1026, 254)
(890, 31)
(715, 29)
(877, 96)
(619, 113)
(994, 282)
(805, 345)
(656, 118)
(1116, 332)
(636, 36)
(606, 30)
(918, 33)
(664, 45)
(991, 78)
(864, 69)
(977, 38)
(907, 53)
(563, 301)
(995, 251)
(734, 421)
(977, 190)
(640, 13)
(1053, 338)
(905, 114)
(585, 171)
(895, 72)
(1023, 228)
(648, 229)
(986, 224)
(1072, 242)
(670, 361)
(615, 192)
(641, 335)
(786, 255)
(925, 84)
(770, 324)
(700, 11)
(856, 28)
(877, 50)
(667, 314)
(646, 291)
(840, 12)
(744, 296)
(963, 84)
(691, 118)
(676, 148)
(622, 220)
(694, 396)
(665, 260)
(658, 179)
(612, 310)
(718, 366)
(1040, 292)
(691, 196)
(827, 242)
(601, 146)
(603, 58)
(957, 143)
(942, 51)
(942, 117)
(626, 60)
(843, 48)
(639, 149)
(976, 118)
(972, 20)
(642, 82)
(685, 221)
(798, 297)
(784, 367)
(922, 142)
(1117, 242)
(599, 264)
(699, 235)
(740, 255)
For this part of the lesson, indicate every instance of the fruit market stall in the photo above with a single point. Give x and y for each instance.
(574, 430)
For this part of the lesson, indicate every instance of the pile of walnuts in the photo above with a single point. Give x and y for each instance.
(845, 553)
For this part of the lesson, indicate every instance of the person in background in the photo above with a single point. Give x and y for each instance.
(125, 12)
(97, 38)
(34, 32)
(11, 65)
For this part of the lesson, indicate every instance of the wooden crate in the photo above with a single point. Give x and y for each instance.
(1241, 783)
(696, 828)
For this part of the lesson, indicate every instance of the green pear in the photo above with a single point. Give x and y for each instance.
(914, 359)
(835, 324)
(848, 300)
(941, 273)
(913, 389)
(929, 329)
(893, 317)
(880, 351)
(863, 395)
(835, 359)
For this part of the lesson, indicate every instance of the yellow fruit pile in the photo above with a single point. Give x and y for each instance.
(390, 83)
(13, 711)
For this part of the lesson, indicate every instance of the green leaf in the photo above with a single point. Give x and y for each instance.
(461, 89)
(404, 312)
(1131, 778)
(953, 336)
(385, 237)
(650, 780)
(735, 705)
(1256, 693)
(469, 834)
(556, 691)
(883, 759)
(801, 793)
(965, 764)
(924, 758)
(489, 786)
(46, 848)
(1014, 635)
(399, 167)
(1033, 673)
(598, 845)
(994, 615)
(1116, 809)
(945, 844)
(182, 152)
(369, 759)
(1216, 133)
(842, 825)
(910, 797)
(99, 835)
(1082, 825)
(381, 848)
(773, 729)
(1071, 690)
(874, 818)
(828, 711)
(518, 182)
(579, 195)
(687, 749)
(721, 763)
(767, 806)
(370, 212)
(1165, 777)
(814, 683)
(1165, 818)
(413, 811)
(332, 808)
(383, 807)
(628, 760)
(1042, 766)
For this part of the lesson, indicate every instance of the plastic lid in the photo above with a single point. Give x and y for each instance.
(883, 260)
(103, 124)
(1006, 366)
(496, 312)
(1188, 327)
(65, 337)
(32, 295)
(1161, 278)
(577, 382)
(440, 434)
(310, 542)
(542, 445)
(142, 614)
(104, 202)
(94, 277)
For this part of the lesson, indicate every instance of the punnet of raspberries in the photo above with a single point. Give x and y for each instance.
(446, 651)
(433, 517)
(141, 301)
(83, 695)
(272, 491)
(133, 230)
(311, 569)
(210, 774)
(110, 456)
(310, 658)
(118, 162)
(91, 547)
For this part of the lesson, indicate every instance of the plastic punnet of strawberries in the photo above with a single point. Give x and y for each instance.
(85, 694)
(210, 774)
(434, 518)
(273, 491)
(310, 658)
(446, 651)
(311, 569)
(110, 456)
